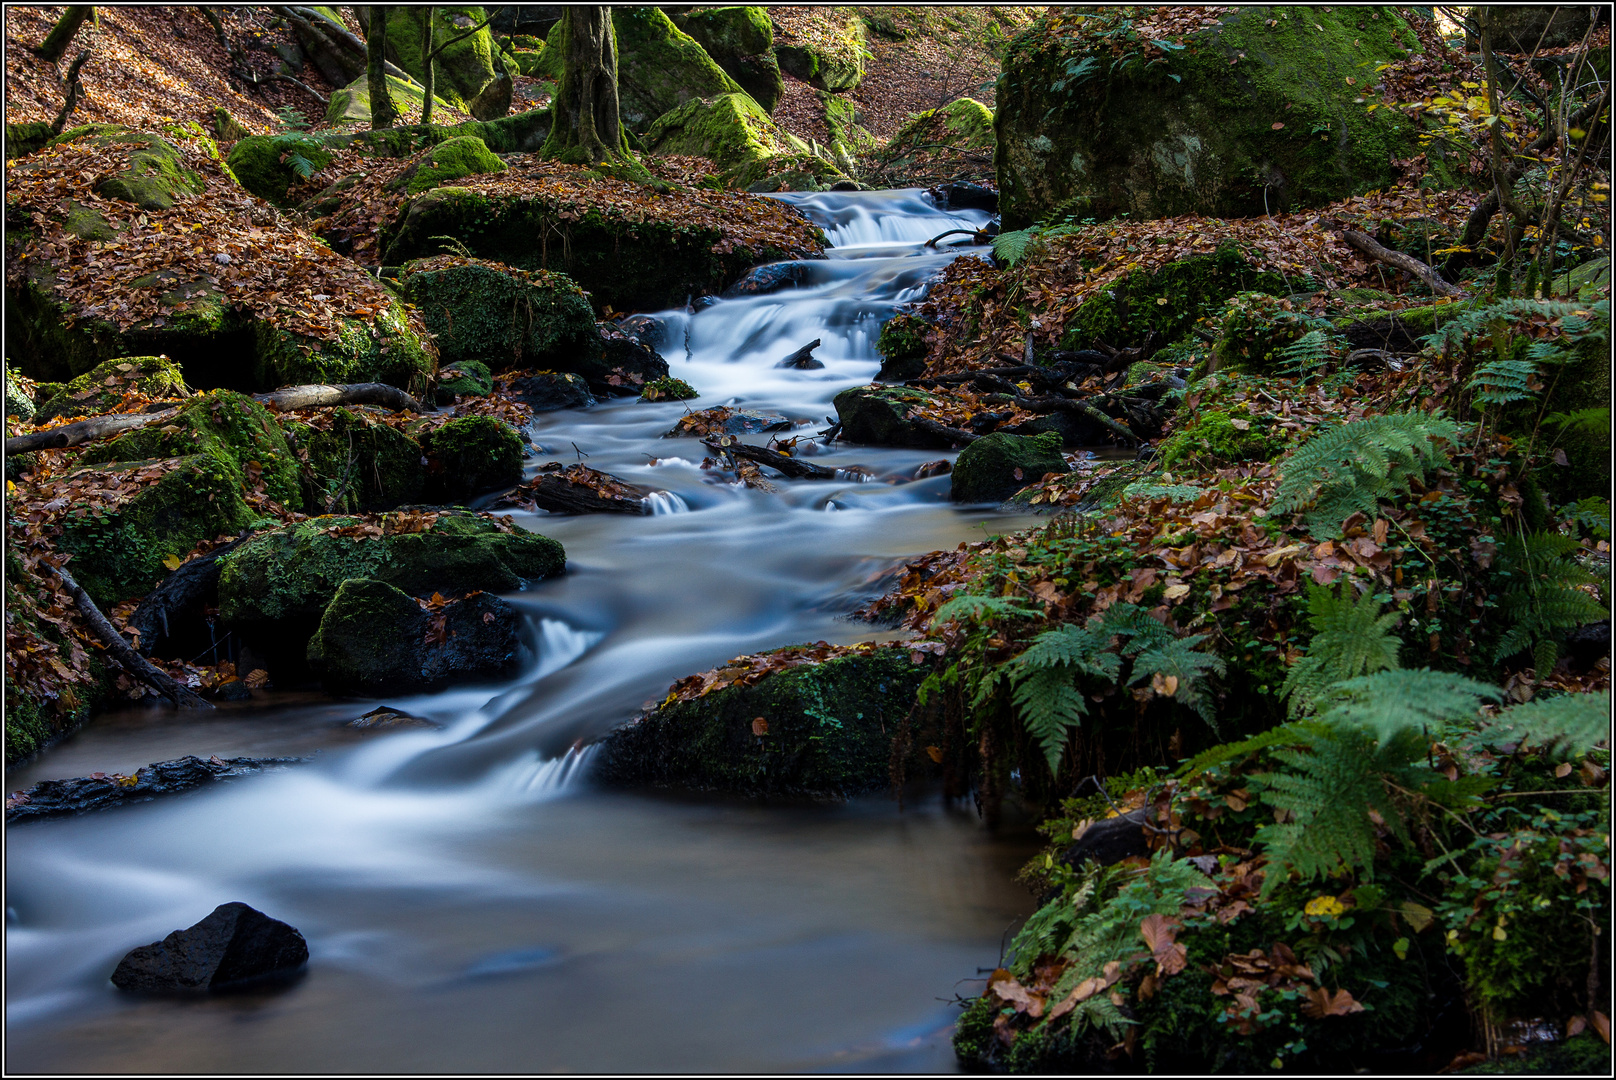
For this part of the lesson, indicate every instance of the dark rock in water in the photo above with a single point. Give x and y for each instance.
(1073, 430)
(545, 391)
(1110, 840)
(966, 196)
(234, 690)
(996, 466)
(630, 363)
(761, 280)
(933, 468)
(846, 185)
(646, 329)
(803, 358)
(884, 416)
(387, 718)
(1586, 645)
(755, 423)
(234, 944)
(54, 798)
(702, 303)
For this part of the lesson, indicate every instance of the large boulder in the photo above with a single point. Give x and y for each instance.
(149, 170)
(112, 384)
(503, 316)
(806, 728)
(741, 40)
(833, 60)
(461, 70)
(357, 463)
(351, 104)
(1260, 111)
(375, 638)
(733, 130)
(881, 416)
(996, 466)
(232, 945)
(469, 456)
(659, 67)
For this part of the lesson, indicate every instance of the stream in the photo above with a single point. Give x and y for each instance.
(471, 902)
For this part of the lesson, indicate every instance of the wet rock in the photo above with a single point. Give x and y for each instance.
(962, 195)
(468, 305)
(761, 280)
(55, 798)
(646, 329)
(702, 303)
(903, 348)
(819, 730)
(1110, 840)
(933, 468)
(996, 466)
(546, 391)
(471, 455)
(629, 363)
(356, 462)
(468, 378)
(234, 944)
(803, 359)
(881, 416)
(387, 718)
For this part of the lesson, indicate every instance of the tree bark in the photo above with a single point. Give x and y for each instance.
(427, 81)
(382, 112)
(795, 468)
(123, 654)
(61, 36)
(74, 90)
(587, 129)
(1367, 245)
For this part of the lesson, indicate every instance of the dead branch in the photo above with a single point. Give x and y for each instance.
(75, 89)
(795, 468)
(1366, 244)
(121, 652)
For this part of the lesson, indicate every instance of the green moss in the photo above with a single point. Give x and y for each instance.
(903, 348)
(294, 571)
(453, 159)
(828, 732)
(1212, 441)
(668, 389)
(103, 387)
(727, 32)
(489, 313)
(834, 59)
(383, 349)
(256, 163)
(351, 104)
(467, 378)
(732, 130)
(1253, 328)
(35, 720)
(879, 415)
(659, 67)
(19, 395)
(362, 629)
(964, 123)
(1580, 1055)
(471, 455)
(461, 70)
(27, 138)
(87, 223)
(359, 464)
(154, 178)
(996, 466)
(1196, 134)
(120, 553)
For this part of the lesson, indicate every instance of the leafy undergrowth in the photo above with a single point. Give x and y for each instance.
(223, 242)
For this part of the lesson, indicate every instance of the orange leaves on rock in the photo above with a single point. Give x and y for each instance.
(760, 726)
(753, 668)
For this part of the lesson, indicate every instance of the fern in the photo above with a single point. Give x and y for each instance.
(1307, 354)
(1351, 638)
(1500, 382)
(1390, 704)
(1585, 421)
(1545, 596)
(1010, 247)
(1575, 722)
(1351, 468)
(1178, 660)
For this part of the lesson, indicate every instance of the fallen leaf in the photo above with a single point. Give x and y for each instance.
(760, 727)
(1319, 1002)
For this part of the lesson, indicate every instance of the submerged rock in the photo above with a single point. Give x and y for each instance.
(387, 718)
(996, 466)
(55, 798)
(234, 944)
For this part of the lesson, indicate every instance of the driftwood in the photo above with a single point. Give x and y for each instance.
(120, 651)
(292, 397)
(803, 358)
(56, 798)
(795, 468)
(561, 496)
(183, 590)
(1366, 244)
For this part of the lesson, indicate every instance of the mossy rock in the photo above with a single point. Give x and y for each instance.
(292, 573)
(467, 378)
(996, 466)
(659, 68)
(19, 395)
(826, 733)
(835, 63)
(27, 138)
(733, 130)
(879, 416)
(531, 63)
(104, 387)
(628, 265)
(1587, 282)
(358, 464)
(903, 348)
(462, 70)
(371, 639)
(451, 160)
(255, 162)
(1252, 330)
(153, 176)
(87, 223)
(505, 317)
(668, 389)
(226, 128)
(121, 553)
(800, 171)
(351, 104)
(232, 428)
(469, 456)
(1212, 439)
(964, 123)
(34, 720)
(740, 40)
(1257, 106)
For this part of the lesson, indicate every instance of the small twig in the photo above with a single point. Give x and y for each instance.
(123, 653)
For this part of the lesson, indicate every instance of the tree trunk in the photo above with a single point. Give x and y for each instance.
(586, 128)
(61, 36)
(427, 82)
(382, 113)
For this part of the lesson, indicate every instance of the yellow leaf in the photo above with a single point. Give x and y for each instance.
(1173, 592)
(173, 562)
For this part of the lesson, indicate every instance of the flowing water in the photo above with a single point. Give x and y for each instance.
(471, 902)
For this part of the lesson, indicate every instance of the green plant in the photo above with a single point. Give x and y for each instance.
(1546, 595)
(1351, 638)
(1349, 469)
(297, 148)
(1307, 355)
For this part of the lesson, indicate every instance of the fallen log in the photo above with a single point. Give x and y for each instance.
(575, 490)
(803, 358)
(1367, 245)
(121, 652)
(795, 468)
(285, 400)
(57, 798)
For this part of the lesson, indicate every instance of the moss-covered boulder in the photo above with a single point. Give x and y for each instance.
(151, 174)
(996, 466)
(357, 463)
(374, 638)
(505, 317)
(879, 415)
(351, 104)
(741, 40)
(258, 162)
(284, 578)
(963, 123)
(820, 730)
(461, 70)
(160, 510)
(232, 428)
(469, 456)
(451, 160)
(42, 704)
(733, 130)
(109, 385)
(27, 138)
(1267, 103)
(1253, 329)
(659, 68)
(833, 60)
(465, 378)
(903, 348)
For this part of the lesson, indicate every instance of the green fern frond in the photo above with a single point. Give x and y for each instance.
(1284, 735)
(1075, 646)
(1051, 707)
(1351, 638)
(1499, 382)
(1135, 623)
(1010, 247)
(1178, 659)
(1391, 703)
(1355, 465)
(1585, 421)
(978, 608)
(1546, 595)
(1576, 722)
(1307, 354)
